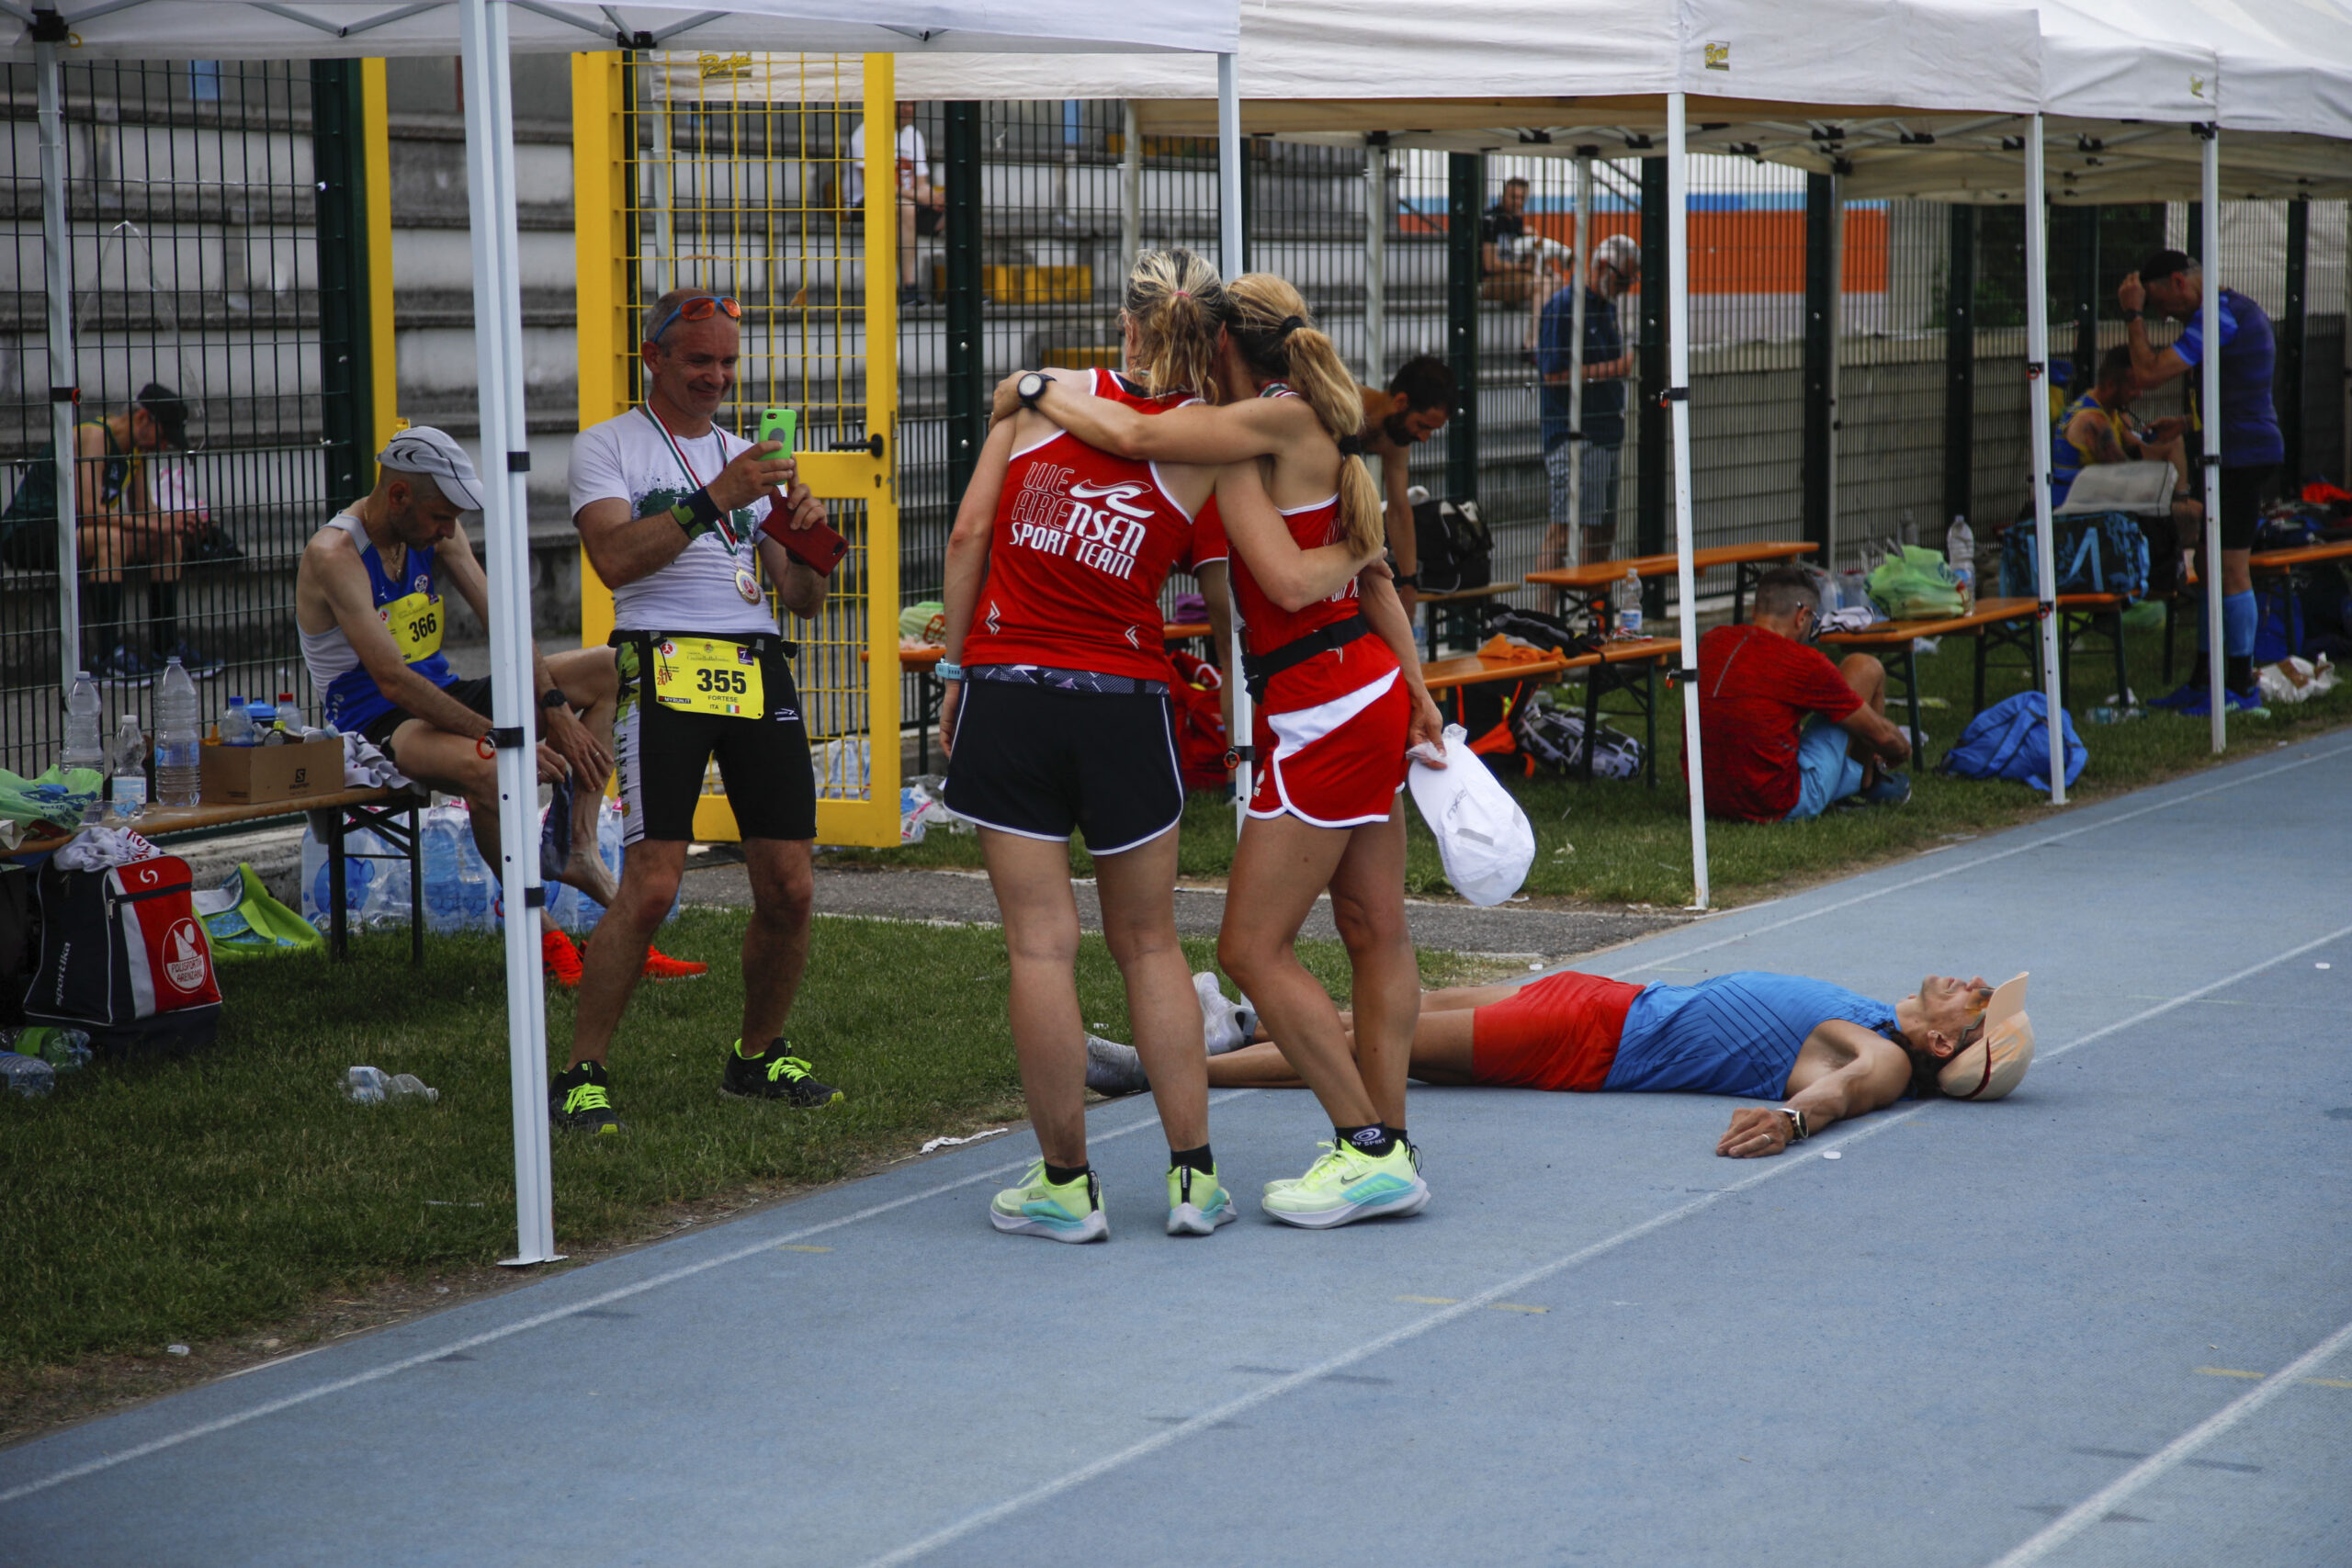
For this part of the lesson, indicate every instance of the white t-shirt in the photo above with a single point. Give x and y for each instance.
(914, 160)
(628, 459)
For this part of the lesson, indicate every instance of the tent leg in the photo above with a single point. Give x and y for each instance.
(1130, 186)
(2036, 419)
(1580, 271)
(1228, 233)
(498, 356)
(65, 385)
(1375, 262)
(1678, 394)
(2208, 398)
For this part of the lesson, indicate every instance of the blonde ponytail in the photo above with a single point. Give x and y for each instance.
(1176, 303)
(1280, 342)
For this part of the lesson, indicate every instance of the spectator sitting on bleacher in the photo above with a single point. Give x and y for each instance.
(1418, 401)
(1785, 732)
(922, 205)
(2097, 427)
(1507, 262)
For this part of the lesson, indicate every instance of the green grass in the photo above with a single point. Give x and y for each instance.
(187, 1200)
(1614, 842)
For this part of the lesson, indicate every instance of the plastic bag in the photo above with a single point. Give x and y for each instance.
(1915, 583)
(1483, 837)
(2292, 681)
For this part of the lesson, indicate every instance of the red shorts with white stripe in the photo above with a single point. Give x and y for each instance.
(1331, 739)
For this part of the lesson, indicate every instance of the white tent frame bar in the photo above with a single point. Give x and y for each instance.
(2036, 419)
(2209, 265)
(1229, 264)
(1579, 272)
(1678, 395)
(64, 384)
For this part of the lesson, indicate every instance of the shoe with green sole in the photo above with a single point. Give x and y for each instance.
(1346, 1185)
(1197, 1202)
(1066, 1211)
(775, 1074)
(580, 1099)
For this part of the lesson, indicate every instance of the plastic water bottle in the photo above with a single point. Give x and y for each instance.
(84, 739)
(128, 763)
(66, 1050)
(289, 717)
(1629, 604)
(28, 1075)
(264, 720)
(366, 1085)
(1960, 550)
(179, 754)
(237, 723)
(407, 1088)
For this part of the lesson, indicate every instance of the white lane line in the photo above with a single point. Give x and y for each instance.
(2070, 1524)
(555, 1315)
(949, 1534)
(1937, 875)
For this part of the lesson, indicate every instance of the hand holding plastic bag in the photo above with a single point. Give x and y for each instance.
(1483, 837)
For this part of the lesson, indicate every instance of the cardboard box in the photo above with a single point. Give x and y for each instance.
(253, 775)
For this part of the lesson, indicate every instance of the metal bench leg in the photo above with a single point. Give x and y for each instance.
(415, 889)
(1911, 699)
(1591, 718)
(924, 710)
(2172, 613)
(2065, 659)
(1982, 639)
(2122, 675)
(339, 931)
(1649, 722)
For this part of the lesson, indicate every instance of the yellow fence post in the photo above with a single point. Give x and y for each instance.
(600, 272)
(879, 823)
(383, 355)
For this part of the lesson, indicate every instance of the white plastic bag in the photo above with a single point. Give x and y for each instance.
(2294, 681)
(1483, 837)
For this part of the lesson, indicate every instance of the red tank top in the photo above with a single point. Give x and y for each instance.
(1082, 542)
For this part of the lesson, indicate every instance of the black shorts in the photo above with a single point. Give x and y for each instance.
(2242, 493)
(663, 756)
(474, 694)
(928, 220)
(1038, 763)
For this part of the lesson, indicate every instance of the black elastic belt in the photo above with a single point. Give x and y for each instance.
(1257, 668)
(759, 642)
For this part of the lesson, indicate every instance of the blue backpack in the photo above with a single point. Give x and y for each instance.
(2011, 740)
(2103, 552)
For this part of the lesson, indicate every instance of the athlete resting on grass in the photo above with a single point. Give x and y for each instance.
(1825, 1052)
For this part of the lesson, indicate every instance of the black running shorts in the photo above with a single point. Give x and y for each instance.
(1039, 762)
(474, 694)
(663, 756)
(2242, 493)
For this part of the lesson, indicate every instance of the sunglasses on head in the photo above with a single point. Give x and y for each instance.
(701, 308)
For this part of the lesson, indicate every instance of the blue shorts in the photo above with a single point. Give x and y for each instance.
(1826, 772)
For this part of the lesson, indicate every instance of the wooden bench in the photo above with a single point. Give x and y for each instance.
(350, 811)
(1995, 624)
(2266, 563)
(1592, 583)
(1613, 669)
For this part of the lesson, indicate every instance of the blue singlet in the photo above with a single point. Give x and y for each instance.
(352, 699)
(1735, 1034)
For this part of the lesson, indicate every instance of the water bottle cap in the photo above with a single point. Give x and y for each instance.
(81, 674)
(175, 658)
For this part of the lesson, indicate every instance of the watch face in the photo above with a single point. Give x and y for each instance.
(1031, 387)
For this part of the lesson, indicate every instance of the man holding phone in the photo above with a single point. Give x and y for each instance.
(680, 519)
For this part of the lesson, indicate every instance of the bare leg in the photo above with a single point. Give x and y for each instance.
(1031, 877)
(1441, 1049)
(1866, 676)
(615, 954)
(1280, 867)
(587, 678)
(1368, 906)
(775, 947)
(1138, 892)
(454, 765)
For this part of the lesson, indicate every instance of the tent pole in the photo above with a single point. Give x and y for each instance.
(498, 317)
(2209, 401)
(2037, 421)
(65, 385)
(1579, 270)
(1837, 325)
(1130, 186)
(1375, 263)
(1678, 394)
(1228, 235)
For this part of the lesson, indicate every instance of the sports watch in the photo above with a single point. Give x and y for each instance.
(1031, 387)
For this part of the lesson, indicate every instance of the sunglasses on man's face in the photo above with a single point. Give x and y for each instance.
(701, 308)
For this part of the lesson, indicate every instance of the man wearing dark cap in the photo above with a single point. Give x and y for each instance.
(121, 526)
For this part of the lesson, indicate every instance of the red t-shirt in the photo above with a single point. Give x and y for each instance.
(1081, 544)
(1755, 689)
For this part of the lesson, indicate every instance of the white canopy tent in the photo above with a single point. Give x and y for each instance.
(485, 33)
(1475, 76)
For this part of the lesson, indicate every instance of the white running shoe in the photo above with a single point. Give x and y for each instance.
(1224, 1025)
(1113, 1068)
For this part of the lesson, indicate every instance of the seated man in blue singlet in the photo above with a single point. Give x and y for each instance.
(368, 602)
(1827, 1053)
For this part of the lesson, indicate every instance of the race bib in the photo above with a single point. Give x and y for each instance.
(414, 620)
(701, 674)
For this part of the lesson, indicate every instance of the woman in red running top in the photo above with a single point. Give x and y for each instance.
(1342, 699)
(1056, 711)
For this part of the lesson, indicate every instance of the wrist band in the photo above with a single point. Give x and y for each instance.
(697, 514)
(1796, 1123)
(2132, 315)
(946, 670)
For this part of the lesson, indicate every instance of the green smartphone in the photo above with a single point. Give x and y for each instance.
(779, 425)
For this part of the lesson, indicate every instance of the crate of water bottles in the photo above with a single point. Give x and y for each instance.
(461, 893)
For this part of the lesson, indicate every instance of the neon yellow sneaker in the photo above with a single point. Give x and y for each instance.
(1068, 1211)
(1197, 1205)
(1347, 1184)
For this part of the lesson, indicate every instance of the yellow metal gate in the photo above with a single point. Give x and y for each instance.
(733, 172)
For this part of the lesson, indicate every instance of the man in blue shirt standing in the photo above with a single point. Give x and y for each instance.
(2246, 427)
(1616, 262)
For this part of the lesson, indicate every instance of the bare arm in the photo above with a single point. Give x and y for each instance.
(2104, 448)
(968, 560)
(341, 579)
(1384, 612)
(624, 549)
(2151, 365)
(1868, 726)
(1874, 1074)
(1292, 577)
(1195, 434)
(1216, 592)
(1394, 481)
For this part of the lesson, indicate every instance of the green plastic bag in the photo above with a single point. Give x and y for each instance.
(925, 622)
(55, 796)
(241, 921)
(1915, 584)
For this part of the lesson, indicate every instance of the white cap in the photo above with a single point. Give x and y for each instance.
(1996, 1062)
(421, 449)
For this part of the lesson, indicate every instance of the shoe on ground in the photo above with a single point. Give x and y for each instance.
(580, 1099)
(1197, 1204)
(1067, 1210)
(1346, 1185)
(2182, 696)
(559, 958)
(1892, 789)
(2199, 705)
(193, 660)
(661, 967)
(1224, 1025)
(776, 1074)
(123, 667)
(1113, 1068)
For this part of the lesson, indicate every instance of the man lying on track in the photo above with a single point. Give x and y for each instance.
(1827, 1053)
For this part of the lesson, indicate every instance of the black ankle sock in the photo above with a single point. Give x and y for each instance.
(1194, 1159)
(1374, 1140)
(101, 617)
(2237, 670)
(1060, 1174)
(162, 617)
(1395, 1132)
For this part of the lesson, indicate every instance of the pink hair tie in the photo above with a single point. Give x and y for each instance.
(1184, 294)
